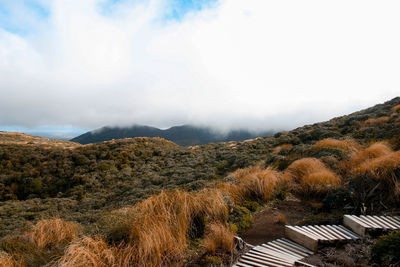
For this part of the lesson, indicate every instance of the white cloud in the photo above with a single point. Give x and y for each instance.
(259, 64)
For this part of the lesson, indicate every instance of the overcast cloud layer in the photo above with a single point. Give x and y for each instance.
(258, 64)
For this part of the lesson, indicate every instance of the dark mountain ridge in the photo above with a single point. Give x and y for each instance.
(185, 135)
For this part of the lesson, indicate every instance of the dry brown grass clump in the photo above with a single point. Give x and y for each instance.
(53, 232)
(346, 145)
(255, 183)
(232, 191)
(279, 148)
(302, 167)
(8, 261)
(376, 150)
(310, 175)
(377, 120)
(219, 237)
(319, 181)
(396, 108)
(87, 252)
(158, 234)
(382, 167)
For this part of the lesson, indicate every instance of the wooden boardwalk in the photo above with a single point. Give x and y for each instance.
(280, 252)
(302, 241)
(369, 224)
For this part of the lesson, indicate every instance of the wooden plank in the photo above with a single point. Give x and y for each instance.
(285, 250)
(293, 248)
(271, 257)
(323, 232)
(289, 248)
(389, 222)
(297, 246)
(301, 238)
(258, 261)
(355, 225)
(274, 261)
(338, 233)
(393, 220)
(241, 264)
(373, 225)
(368, 224)
(307, 232)
(347, 231)
(279, 253)
(273, 254)
(360, 221)
(386, 225)
(253, 264)
(302, 263)
(311, 231)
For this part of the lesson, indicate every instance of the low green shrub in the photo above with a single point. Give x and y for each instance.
(386, 249)
(250, 205)
(241, 217)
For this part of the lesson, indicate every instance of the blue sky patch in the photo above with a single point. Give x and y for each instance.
(174, 9)
(14, 18)
(179, 8)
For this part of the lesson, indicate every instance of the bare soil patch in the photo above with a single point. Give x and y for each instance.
(269, 223)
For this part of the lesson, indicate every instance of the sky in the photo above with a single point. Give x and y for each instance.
(71, 66)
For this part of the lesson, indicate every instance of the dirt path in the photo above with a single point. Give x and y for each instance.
(269, 223)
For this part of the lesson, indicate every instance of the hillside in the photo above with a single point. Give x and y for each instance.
(99, 186)
(185, 135)
(25, 139)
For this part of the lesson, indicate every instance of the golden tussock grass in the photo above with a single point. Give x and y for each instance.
(255, 183)
(53, 232)
(218, 237)
(310, 175)
(377, 120)
(396, 108)
(376, 150)
(319, 181)
(279, 148)
(158, 234)
(380, 168)
(302, 167)
(346, 145)
(87, 252)
(8, 261)
(232, 191)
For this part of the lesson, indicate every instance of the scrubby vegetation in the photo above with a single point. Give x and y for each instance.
(386, 249)
(150, 202)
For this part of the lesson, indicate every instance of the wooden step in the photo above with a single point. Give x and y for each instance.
(370, 224)
(280, 252)
(311, 236)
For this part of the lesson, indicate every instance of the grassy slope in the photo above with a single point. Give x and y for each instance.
(42, 177)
